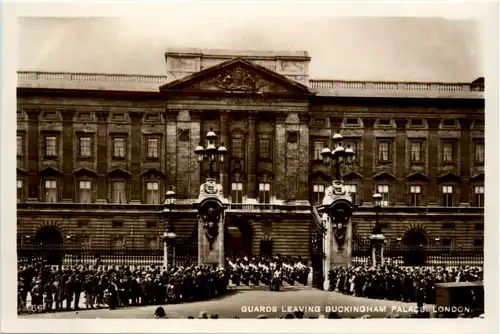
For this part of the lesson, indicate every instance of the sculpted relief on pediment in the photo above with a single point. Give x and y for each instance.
(238, 79)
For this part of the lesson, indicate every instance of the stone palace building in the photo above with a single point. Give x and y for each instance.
(96, 153)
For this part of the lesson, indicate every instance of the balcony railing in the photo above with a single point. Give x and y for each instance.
(151, 83)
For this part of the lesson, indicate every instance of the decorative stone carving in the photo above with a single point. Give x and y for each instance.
(183, 134)
(210, 189)
(237, 79)
(335, 191)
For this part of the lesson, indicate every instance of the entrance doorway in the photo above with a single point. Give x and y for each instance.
(238, 239)
(416, 241)
(50, 241)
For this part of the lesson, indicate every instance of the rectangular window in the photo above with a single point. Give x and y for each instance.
(416, 151)
(152, 148)
(352, 121)
(384, 121)
(20, 146)
(85, 147)
(237, 192)
(479, 196)
(384, 151)
(449, 122)
(118, 192)
(417, 122)
(152, 193)
(383, 189)
(318, 194)
(318, 147)
(264, 149)
(447, 195)
(20, 190)
(264, 193)
(353, 191)
(237, 148)
(50, 191)
(85, 191)
(479, 152)
(415, 195)
(119, 147)
(448, 151)
(51, 146)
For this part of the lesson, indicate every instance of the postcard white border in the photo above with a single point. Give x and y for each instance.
(486, 12)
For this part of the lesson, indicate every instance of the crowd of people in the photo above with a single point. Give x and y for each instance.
(407, 284)
(54, 289)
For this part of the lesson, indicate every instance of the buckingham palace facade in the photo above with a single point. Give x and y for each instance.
(96, 153)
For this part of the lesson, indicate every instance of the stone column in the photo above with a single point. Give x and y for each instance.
(102, 156)
(400, 160)
(303, 168)
(252, 158)
(279, 157)
(433, 160)
(136, 158)
(33, 135)
(368, 152)
(194, 166)
(68, 155)
(465, 160)
(171, 148)
(224, 139)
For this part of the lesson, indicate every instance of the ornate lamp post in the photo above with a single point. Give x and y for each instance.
(338, 154)
(377, 238)
(337, 210)
(211, 152)
(169, 234)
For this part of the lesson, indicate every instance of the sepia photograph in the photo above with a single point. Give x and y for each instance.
(250, 168)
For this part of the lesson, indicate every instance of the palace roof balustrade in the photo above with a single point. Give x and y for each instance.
(151, 83)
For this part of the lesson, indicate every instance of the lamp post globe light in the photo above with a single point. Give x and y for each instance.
(211, 152)
(169, 234)
(338, 154)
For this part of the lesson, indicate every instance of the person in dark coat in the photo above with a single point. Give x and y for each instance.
(113, 294)
(48, 291)
(77, 289)
(88, 288)
(69, 291)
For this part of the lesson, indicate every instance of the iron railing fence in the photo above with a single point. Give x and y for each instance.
(68, 255)
(425, 255)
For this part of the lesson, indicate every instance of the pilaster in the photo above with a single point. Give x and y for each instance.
(136, 157)
(68, 184)
(433, 124)
(400, 159)
(33, 134)
(465, 160)
(368, 151)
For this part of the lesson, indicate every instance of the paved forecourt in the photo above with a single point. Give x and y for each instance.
(249, 302)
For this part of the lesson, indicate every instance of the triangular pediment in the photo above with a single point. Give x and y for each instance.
(384, 176)
(237, 76)
(417, 177)
(449, 177)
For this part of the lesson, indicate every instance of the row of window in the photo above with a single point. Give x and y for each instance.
(415, 194)
(119, 193)
(417, 150)
(414, 122)
(384, 148)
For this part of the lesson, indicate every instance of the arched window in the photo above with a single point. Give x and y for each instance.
(449, 189)
(416, 185)
(85, 185)
(385, 186)
(152, 184)
(265, 181)
(478, 190)
(119, 181)
(318, 183)
(51, 188)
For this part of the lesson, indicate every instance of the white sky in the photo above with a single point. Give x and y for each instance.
(406, 49)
